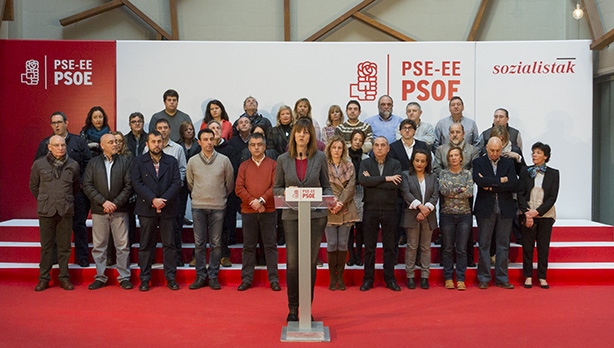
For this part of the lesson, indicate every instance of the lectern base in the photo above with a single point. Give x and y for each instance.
(317, 333)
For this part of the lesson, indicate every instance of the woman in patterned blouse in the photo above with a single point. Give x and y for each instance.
(455, 222)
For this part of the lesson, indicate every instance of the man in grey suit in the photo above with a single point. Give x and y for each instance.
(54, 181)
(107, 184)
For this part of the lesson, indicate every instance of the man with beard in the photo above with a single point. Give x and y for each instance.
(457, 139)
(384, 124)
(156, 181)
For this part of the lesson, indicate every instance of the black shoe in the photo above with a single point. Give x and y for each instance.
(66, 285)
(359, 262)
(528, 286)
(244, 286)
(483, 285)
(424, 283)
(546, 286)
(187, 222)
(403, 240)
(392, 285)
(411, 284)
(319, 262)
(471, 264)
(198, 283)
(275, 286)
(126, 284)
(172, 284)
(292, 317)
(180, 263)
(366, 285)
(84, 263)
(504, 285)
(214, 285)
(438, 240)
(144, 286)
(97, 284)
(42, 285)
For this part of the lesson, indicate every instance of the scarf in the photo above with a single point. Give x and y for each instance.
(533, 171)
(95, 134)
(57, 164)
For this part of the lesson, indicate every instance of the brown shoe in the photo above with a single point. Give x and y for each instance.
(42, 285)
(449, 284)
(66, 285)
(225, 262)
(460, 286)
(505, 285)
(483, 285)
(193, 262)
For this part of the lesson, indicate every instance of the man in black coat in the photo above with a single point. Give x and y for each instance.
(107, 184)
(156, 181)
(494, 207)
(77, 149)
(381, 177)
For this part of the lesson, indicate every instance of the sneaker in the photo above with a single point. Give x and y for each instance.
(460, 286)
(225, 262)
(450, 284)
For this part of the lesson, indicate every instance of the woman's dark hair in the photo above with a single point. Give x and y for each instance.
(358, 131)
(300, 124)
(88, 119)
(208, 116)
(427, 153)
(544, 147)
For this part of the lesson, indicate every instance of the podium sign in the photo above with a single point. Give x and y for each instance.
(305, 330)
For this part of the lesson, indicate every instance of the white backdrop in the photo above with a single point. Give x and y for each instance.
(276, 73)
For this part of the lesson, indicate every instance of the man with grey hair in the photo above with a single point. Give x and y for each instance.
(54, 181)
(384, 123)
(457, 139)
(250, 105)
(424, 131)
(381, 177)
(108, 186)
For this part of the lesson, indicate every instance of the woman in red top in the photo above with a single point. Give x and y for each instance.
(216, 111)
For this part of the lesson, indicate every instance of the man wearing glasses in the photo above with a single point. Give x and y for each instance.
(137, 138)
(76, 148)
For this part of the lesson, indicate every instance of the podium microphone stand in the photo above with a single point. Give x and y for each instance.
(304, 199)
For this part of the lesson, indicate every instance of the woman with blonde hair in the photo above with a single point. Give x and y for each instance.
(335, 118)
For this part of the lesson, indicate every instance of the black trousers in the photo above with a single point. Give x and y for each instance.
(147, 250)
(372, 219)
(55, 229)
(291, 229)
(183, 201)
(540, 232)
(256, 225)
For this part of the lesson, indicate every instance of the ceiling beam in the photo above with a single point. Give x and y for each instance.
(91, 12)
(593, 19)
(174, 24)
(147, 20)
(477, 21)
(332, 25)
(286, 20)
(603, 41)
(381, 27)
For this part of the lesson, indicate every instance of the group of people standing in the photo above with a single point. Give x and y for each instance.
(387, 174)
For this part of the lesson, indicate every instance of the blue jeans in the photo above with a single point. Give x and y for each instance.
(208, 226)
(455, 230)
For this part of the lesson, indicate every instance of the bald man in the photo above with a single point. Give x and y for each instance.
(107, 184)
(494, 207)
(54, 181)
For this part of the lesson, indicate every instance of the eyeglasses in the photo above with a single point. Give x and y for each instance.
(407, 128)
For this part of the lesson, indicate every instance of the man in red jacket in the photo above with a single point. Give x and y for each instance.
(254, 186)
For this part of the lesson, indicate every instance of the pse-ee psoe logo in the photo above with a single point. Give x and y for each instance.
(365, 88)
(31, 76)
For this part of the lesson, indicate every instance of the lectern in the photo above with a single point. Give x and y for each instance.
(304, 199)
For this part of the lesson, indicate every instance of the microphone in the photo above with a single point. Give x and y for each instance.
(300, 164)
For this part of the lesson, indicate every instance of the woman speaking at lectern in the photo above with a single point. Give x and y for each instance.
(302, 166)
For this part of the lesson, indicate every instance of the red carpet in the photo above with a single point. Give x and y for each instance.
(563, 316)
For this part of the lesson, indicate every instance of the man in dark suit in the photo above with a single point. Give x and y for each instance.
(156, 181)
(401, 150)
(494, 207)
(381, 177)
